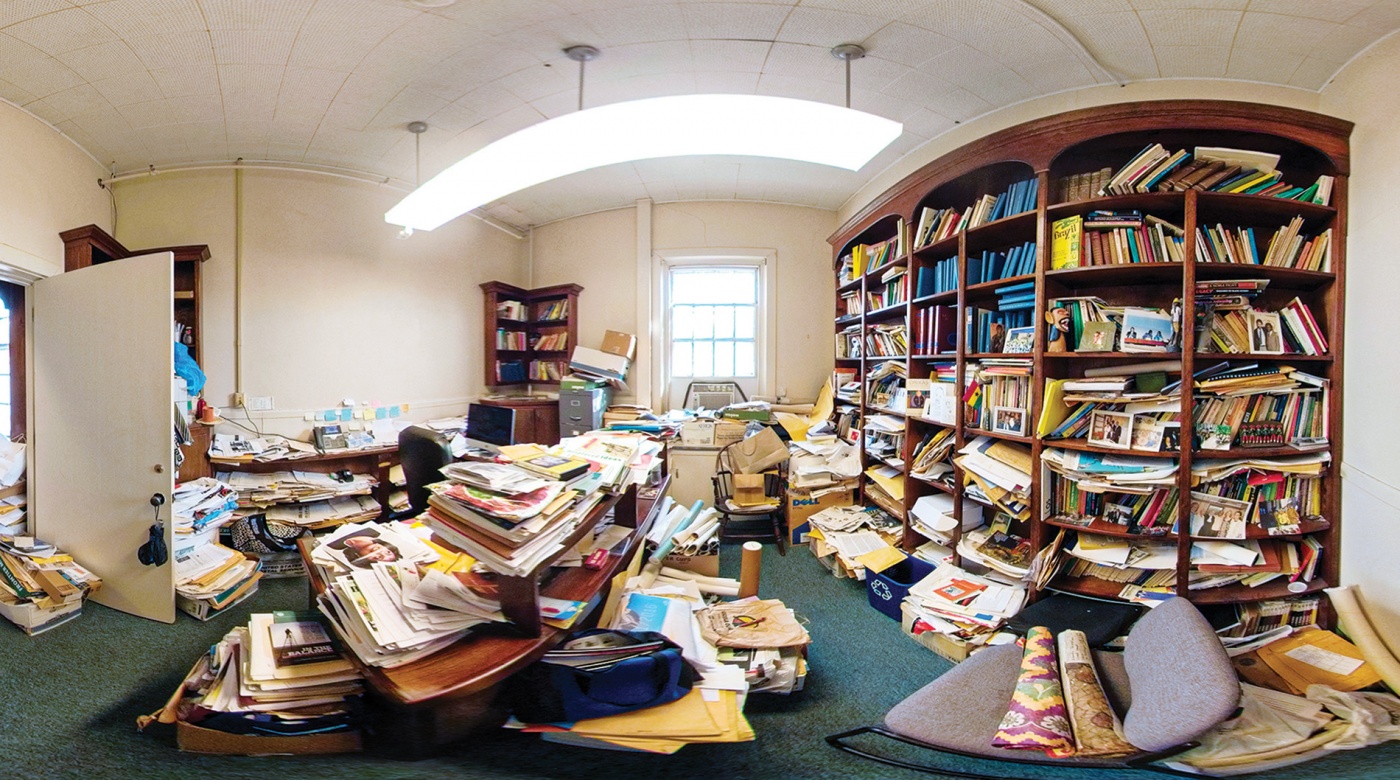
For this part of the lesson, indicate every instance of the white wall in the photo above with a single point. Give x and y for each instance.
(1364, 93)
(334, 305)
(599, 251)
(47, 185)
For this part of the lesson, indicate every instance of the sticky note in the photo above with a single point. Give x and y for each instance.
(380, 413)
(393, 411)
(346, 413)
(328, 415)
(403, 407)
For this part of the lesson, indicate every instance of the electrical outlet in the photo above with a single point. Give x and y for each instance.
(259, 403)
(235, 399)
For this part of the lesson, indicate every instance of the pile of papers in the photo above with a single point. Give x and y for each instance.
(1123, 473)
(12, 489)
(819, 465)
(859, 537)
(278, 676)
(995, 547)
(962, 605)
(237, 449)
(315, 493)
(208, 576)
(395, 597)
(40, 586)
(1000, 470)
(933, 517)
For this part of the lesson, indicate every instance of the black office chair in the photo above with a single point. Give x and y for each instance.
(422, 452)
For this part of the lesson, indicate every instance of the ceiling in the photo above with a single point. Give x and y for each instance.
(332, 83)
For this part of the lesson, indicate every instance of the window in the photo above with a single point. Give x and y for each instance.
(716, 309)
(12, 408)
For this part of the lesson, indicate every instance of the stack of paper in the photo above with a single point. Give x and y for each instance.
(933, 517)
(210, 578)
(997, 548)
(1001, 470)
(962, 605)
(1122, 473)
(40, 586)
(260, 492)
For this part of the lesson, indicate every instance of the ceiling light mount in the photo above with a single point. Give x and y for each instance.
(848, 52)
(582, 55)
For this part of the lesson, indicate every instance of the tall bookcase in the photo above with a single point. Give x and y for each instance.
(529, 333)
(1059, 153)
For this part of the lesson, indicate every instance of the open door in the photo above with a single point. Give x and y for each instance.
(102, 439)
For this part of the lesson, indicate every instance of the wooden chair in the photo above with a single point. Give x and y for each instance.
(760, 523)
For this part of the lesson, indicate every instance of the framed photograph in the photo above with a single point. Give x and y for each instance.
(1265, 333)
(1111, 429)
(1146, 330)
(1118, 514)
(1215, 517)
(1020, 341)
(1009, 419)
(1097, 337)
(1281, 517)
(1147, 433)
(1171, 436)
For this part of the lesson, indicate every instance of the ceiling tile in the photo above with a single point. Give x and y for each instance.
(1268, 31)
(327, 50)
(726, 83)
(928, 123)
(137, 18)
(545, 40)
(1193, 61)
(1192, 27)
(1383, 16)
(741, 21)
(176, 50)
(250, 79)
(1267, 65)
(538, 81)
(269, 15)
(641, 59)
(13, 11)
(1002, 88)
(919, 87)
(199, 108)
(148, 113)
(252, 47)
(408, 106)
(1314, 73)
(1331, 11)
(472, 67)
(826, 28)
(1117, 40)
(128, 88)
(637, 24)
(892, 9)
(187, 82)
(1190, 5)
(963, 21)
(494, 17)
(740, 56)
(62, 31)
(78, 100)
(907, 44)
(105, 59)
(963, 65)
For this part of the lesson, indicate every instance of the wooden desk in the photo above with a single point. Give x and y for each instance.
(536, 417)
(450, 694)
(376, 462)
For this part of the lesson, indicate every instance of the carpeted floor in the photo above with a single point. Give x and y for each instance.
(70, 699)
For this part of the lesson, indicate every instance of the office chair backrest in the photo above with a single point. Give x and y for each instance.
(422, 451)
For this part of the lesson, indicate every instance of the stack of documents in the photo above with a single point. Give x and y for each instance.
(962, 605)
(933, 517)
(257, 492)
(1000, 470)
(208, 576)
(822, 464)
(1122, 473)
(199, 508)
(998, 549)
(40, 586)
(277, 676)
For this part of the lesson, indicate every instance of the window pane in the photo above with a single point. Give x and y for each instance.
(714, 285)
(744, 364)
(745, 318)
(704, 359)
(724, 358)
(680, 359)
(681, 319)
(703, 322)
(724, 322)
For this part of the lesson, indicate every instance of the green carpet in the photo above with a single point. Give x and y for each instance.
(72, 695)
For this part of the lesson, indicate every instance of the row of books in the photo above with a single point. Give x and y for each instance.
(1081, 186)
(892, 290)
(986, 329)
(849, 343)
(936, 327)
(887, 341)
(510, 310)
(850, 304)
(508, 371)
(883, 381)
(870, 257)
(1290, 330)
(1077, 243)
(992, 265)
(1148, 514)
(1273, 418)
(548, 370)
(1273, 560)
(1258, 617)
(510, 339)
(1287, 248)
(1216, 169)
(1274, 502)
(550, 342)
(553, 311)
(941, 277)
(938, 224)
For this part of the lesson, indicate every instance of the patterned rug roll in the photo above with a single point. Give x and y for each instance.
(1037, 719)
(1097, 731)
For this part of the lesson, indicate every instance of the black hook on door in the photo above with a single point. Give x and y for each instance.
(154, 552)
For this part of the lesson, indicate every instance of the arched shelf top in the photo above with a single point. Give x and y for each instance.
(879, 229)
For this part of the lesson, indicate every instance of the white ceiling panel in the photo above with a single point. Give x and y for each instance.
(332, 82)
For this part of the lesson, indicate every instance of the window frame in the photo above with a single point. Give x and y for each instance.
(765, 337)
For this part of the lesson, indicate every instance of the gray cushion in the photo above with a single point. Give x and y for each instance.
(1182, 681)
(961, 710)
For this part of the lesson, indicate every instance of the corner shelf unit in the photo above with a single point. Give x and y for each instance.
(1053, 150)
(518, 322)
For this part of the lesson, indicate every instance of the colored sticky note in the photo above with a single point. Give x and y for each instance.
(393, 411)
(345, 414)
(328, 415)
(403, 408)
(380, 413)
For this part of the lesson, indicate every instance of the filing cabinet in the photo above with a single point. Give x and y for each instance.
(582, 410)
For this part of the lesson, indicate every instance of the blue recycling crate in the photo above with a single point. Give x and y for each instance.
(885, 590)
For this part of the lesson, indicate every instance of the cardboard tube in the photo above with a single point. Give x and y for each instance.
(1352, 621)
(749, 567)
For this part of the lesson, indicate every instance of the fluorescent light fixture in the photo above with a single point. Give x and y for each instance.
(750, 125)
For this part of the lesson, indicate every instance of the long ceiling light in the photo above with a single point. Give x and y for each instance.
(749, 125)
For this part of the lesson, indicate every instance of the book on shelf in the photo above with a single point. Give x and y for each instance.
(941, 277)
(510, 371)
(1066, 236)
(510, 310)
(937, 327)
(887, 341)
(510, 339)
(553, 311)
(992, 265)
(1287, 248)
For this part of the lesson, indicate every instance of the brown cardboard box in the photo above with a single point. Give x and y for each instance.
(727, 433)
(621, 344)
(707, 565)
(801, 505)
(193, 739)
(954, 650)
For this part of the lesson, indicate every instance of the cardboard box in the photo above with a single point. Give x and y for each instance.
(954, 650)
(707, 565)
(193, 739)
(801, 504)
(599, 363)
(885, 590)
(34, 619)
(620, 344)
(726, 433)
(698, 433)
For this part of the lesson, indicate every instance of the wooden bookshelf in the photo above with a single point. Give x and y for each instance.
(522, 328)
(1050, 150)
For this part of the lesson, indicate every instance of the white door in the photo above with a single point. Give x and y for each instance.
(103, 430)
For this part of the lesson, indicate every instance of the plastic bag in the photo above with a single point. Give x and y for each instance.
(1372, 718)
(1258, 728)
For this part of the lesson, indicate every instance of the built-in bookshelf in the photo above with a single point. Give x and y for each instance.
(1143, 304)
(529, 334)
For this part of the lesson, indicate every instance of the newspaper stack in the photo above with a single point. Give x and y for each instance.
(962, 605)
(40, 586)
(305, 499)
(209, 577)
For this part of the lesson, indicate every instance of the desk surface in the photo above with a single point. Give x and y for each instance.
(300, 464)
(489, 655)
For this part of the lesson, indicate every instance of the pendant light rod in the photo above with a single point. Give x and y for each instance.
(847, 52)
(581, 55)
(418, 129)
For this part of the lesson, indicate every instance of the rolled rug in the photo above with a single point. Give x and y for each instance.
(1097, 730)
(1036, 719)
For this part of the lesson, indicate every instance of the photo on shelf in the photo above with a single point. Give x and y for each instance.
(1214, 437)
(1265, 334)
(1281, 517)
(1118, 514)
(1020, 341)
(1146, 330)
(1111, 429)
(1009, 419)
(1217, 517)
(1097, 337)
(1147, 433)
(1171, 436)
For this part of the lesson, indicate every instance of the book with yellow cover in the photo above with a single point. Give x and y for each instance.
(1066, 236)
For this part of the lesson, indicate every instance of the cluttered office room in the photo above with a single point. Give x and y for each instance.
(791, 389)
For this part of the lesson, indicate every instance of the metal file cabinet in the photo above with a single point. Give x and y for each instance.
(581, 411)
